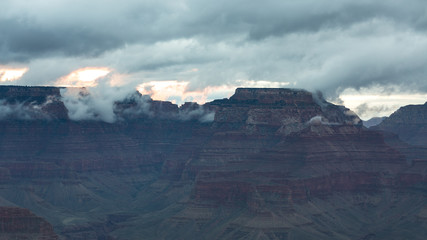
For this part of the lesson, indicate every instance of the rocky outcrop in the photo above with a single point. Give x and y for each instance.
(281, 111)
(19, 223)
(409, 122)
(31, 103)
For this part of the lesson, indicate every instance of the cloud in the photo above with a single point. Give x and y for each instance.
(96, 102)
(85, 77)
(106, 102)
(22, 110)
(11, 74)
(194, 111)
(180, 92)
(378, 100)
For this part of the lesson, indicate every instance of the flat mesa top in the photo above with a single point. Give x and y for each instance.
(271, 90)
(269, 95)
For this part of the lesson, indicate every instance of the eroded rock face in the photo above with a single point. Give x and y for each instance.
(19, 223)
(280, 110)
(316, 162)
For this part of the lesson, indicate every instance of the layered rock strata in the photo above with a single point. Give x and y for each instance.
(19, 223)
(263, 164)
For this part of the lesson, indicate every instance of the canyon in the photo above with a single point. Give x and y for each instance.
(262, 164)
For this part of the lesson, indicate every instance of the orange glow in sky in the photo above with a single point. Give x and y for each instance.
(176, 92)
(162, 90)
(11, 74)
(83, 77)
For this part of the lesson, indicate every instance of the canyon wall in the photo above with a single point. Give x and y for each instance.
(263, 164)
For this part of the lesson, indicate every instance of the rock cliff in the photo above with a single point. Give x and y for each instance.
(19, 223)
(281, 110)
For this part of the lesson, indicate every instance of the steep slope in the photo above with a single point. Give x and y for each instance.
(409, 122)
(18, 223)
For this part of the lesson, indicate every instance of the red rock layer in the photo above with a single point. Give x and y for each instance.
(19, 223)
(297, 167)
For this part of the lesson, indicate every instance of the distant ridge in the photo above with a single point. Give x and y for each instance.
(373, 121)
(409, 122)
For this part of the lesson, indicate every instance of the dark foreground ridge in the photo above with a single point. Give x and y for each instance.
(263, 164)
(18, 223)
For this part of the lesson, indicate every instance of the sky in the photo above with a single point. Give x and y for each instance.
(368, 55)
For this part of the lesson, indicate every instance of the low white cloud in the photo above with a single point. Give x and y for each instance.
(22, 111)
(379, 100)
(193, 111)
(95, 103)
(319, 120)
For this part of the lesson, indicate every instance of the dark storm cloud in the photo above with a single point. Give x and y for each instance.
(312, 16)
(24, 41)
(78, 28)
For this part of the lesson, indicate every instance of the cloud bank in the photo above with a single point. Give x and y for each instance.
(326, 45)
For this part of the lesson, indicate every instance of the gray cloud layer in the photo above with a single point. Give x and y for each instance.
(328, 45)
